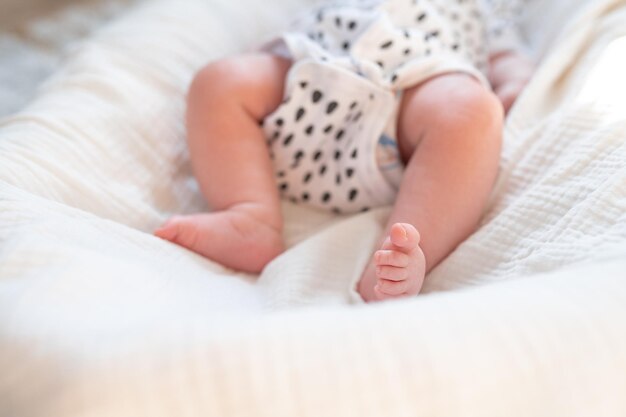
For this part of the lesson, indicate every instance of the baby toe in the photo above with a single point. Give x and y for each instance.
(392, 288)
(180, 229)
(404, 236)
(392, 258)
(391, 273)
(168, 231)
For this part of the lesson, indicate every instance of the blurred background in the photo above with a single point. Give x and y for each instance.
(35, 34)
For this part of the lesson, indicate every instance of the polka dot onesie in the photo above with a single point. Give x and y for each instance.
(332, 140)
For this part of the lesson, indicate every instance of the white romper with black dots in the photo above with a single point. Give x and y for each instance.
(332, 140)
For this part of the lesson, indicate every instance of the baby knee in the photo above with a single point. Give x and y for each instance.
(252, 81)
(217, 79)
(455, 107)
(453, 101)
(471, 105)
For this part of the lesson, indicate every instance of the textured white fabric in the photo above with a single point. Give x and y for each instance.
(99, 318)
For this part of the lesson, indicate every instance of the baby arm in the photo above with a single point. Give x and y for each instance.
(509, 72)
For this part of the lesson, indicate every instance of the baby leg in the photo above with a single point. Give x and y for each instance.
(449, 135)
(230, 159)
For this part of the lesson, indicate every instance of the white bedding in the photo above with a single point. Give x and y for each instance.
(99, 318)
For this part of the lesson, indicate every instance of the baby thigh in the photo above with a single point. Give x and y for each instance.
(449, 135)
(227, 100)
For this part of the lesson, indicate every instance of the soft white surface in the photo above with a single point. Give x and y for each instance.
(98, 318)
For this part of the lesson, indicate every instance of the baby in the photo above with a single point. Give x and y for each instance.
(363, 104)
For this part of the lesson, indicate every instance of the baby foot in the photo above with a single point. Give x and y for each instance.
(397, 269)
(233, 238)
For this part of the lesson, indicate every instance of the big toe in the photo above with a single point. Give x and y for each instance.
(404, 237)
(170, 230)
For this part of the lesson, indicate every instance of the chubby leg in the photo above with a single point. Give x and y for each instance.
(226, 102)
(449, 134)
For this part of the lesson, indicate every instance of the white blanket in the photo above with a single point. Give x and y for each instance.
(99, 318)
